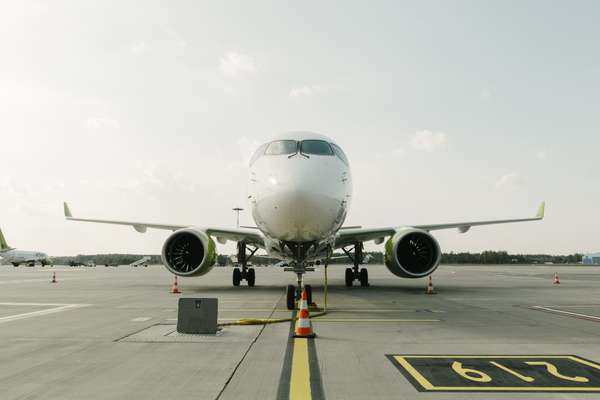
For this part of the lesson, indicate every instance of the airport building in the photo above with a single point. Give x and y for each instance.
(590, 259)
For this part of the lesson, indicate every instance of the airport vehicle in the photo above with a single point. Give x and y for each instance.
(18, 257)
(299, 190)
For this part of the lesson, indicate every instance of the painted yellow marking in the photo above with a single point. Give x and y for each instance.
(513, 372)
(416, 374)
(470, 373)
(371, 320)
(552, 370)
(428, 386)
(300, 377)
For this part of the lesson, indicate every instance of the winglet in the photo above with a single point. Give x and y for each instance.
(67, 210)
(3, 245)
(541, 210)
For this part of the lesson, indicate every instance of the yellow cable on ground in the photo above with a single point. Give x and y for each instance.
(266, 321)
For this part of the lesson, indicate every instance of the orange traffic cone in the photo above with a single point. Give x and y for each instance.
(174, 288)
(556, 280)
(430, 286)
(303, 325)
(53, 278)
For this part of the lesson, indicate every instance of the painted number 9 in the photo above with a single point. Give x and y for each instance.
(470, 374)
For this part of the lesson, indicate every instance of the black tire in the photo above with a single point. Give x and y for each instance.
(364, 277)
(237, 277)
(349, 277)
(251, 277)
(291, 297)
(15, 264)
(308, 289)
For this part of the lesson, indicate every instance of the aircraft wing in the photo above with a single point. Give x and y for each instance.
(222, 234)
(351, 236)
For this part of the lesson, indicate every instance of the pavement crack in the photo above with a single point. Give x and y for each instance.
(237, 366)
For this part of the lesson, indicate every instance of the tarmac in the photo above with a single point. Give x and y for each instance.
(490, 332)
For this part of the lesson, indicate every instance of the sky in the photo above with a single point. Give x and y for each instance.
(448, 111)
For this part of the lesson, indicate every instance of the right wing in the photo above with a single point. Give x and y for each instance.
(222, 234)
(351, 236)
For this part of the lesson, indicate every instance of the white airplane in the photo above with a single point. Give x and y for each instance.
(299, 190)
(17, 257)
(142, 261)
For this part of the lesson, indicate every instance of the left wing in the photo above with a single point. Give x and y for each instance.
(351, 236)
(222, 234)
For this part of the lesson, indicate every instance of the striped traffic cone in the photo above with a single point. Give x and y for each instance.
(175, 288)
(556, 280)
(430, 286)
(53, 277)
(303, 325)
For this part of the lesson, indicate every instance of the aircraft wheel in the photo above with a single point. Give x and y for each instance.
(349, 277)
(15, 264)
(237, 277)
(364, 277)
(251, 277)
(291, 297)
(308, 289)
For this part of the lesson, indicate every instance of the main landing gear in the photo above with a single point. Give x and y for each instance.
(244, 273)
(356, 273)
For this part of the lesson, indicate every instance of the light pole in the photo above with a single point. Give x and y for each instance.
(237, 210)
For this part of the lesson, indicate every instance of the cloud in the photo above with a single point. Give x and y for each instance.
(235, 65)
(428, 141)
(508, 181)
(140, 47)
(542, 155)
(97, 125)
(307, 91)
(486, 94)
(175, 36)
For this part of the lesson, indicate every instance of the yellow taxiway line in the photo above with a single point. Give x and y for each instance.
(300, 377)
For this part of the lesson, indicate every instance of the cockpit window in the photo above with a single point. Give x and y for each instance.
(316, 147)
(280, 147)
(338, 152)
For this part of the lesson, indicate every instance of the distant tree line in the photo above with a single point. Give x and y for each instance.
(376, 257)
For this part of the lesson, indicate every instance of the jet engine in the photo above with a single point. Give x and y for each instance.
(412, 253)
(189, 252)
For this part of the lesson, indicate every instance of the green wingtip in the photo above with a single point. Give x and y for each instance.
(3, 244)
(67, 210)
(541, 210)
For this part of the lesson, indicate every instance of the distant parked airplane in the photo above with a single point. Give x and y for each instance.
(17, 257)
(142, 261)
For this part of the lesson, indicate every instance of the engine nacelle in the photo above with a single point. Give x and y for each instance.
(189, 252)
(412, 253)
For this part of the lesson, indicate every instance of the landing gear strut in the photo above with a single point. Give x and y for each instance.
(356, 273)
(244, 273)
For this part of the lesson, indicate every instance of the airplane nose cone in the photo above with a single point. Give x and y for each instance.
(301, 204)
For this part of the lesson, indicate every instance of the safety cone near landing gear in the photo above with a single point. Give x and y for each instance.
(430, 286)
(53, 278)
(303, 325)
(556, 280)
(175, 289)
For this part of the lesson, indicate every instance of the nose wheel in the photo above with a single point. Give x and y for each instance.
(293, 294)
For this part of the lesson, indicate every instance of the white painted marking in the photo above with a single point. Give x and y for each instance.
(572, 314)
(141, 319)
(55, 309)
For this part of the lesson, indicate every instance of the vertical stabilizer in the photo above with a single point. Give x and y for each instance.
(3, 245)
